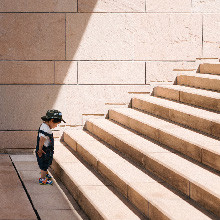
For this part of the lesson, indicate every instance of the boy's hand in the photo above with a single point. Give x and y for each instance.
(40, 153)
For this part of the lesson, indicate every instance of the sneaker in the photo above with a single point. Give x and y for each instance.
(45, 182)
(48, 176)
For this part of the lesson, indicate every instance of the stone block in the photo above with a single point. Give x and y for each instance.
(151, 107)
(211, 158)
(111, 73)
(57, 214)
(158, 71)
(100, 202)
(26, 72)
(105, 136)
(111, 6)
(15, 204)
(50, 201)
(65, 72)
(138, 200)
(32, 101)
(168, 6)
(204, 82)
(38, 6)
(70, 141)
(187, 148)
(18, 139)
(167, 93)
(211, 35)
(206, 6)
(199, 100)
(87, 156)
(210, 68)
(168, 175)
(133, 36)
(207, 200)
(144, 128)
(27, 165)
(113, 178)
(32, 36)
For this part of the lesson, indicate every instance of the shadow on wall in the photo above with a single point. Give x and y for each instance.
(34, 67)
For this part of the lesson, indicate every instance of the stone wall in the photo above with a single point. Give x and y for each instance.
(82, 57)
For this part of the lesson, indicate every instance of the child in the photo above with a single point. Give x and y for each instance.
(45, 144)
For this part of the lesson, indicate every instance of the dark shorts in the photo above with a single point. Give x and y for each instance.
(46, 159)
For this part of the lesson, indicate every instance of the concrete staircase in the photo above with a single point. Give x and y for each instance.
(159, 159)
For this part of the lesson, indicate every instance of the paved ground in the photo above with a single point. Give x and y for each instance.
(50, 202)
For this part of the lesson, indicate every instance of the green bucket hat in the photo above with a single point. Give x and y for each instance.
(52, 114)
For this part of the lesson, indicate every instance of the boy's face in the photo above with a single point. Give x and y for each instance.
(52, 124)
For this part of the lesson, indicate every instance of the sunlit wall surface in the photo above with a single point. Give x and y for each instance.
(80, 56)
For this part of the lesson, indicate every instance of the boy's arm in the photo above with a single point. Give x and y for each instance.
(41, 143)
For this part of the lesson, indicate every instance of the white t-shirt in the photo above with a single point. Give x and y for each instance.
(44, 127)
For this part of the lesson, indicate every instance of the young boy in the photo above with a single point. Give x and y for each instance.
(45, 144)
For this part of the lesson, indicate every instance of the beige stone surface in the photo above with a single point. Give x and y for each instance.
(138, 200)
(39, 36)
(210, 202)
(33, 101)
(158, 201)
(110, 208)
(133, 36)
(20, 140)
(211, 158)
(166, 93)
(157, 71)
(194, 96)
(171, 167)
(27, 165)
(206, 6)
(92, 193)
(168, 6)
(203, 81)
(111, 72)
(65, 72)
(23, 72)
(111, 6)
(38, 6)
(57, 214)
(190, 149)
(210, 68)
(174, 136)
(211, 35)
(14, 202)
(208, 122)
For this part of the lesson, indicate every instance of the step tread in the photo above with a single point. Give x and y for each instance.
(196, 91)
(103, 199)
(189, 170)
(150, 189)
(190, 110)
(170, 128)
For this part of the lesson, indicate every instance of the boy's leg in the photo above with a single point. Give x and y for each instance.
(43, 174)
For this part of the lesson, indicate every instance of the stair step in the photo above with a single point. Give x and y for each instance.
(203, 81)
(199, 119)
(210, 68)
(198, 97)
(147, 194)
(199, 147)
(173, 169)
(95, 198)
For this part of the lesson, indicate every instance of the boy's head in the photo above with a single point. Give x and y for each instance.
(53, 118)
